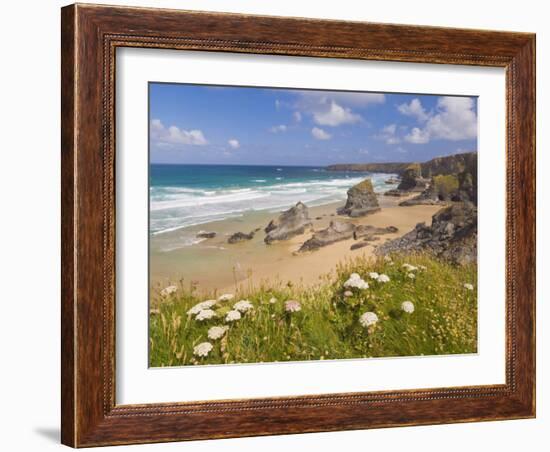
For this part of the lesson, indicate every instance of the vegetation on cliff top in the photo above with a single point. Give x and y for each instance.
(399, 306)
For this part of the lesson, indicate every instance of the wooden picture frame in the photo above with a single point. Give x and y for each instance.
(90, 36)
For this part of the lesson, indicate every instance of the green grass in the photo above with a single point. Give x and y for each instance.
(327, 327)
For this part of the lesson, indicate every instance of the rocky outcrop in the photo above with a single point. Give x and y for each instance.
(206, 235)
(451, 236)
(240, 237)
(412, 179)
(336, 231)
(290, 223)
(445, 188)
(361, 200)
(365, 230)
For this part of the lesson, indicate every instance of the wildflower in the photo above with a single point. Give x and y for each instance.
(368, 319)
(408, 307)
(202, 349)
(356, 281)
(232, 316)
(292, 306)
(226, 297)
(205, 314)
(410, 275)
(373, 275)
(423, 267)
(201, 306)
(216, 332)
(383, 278)
(409, 267)
(348, 293)
(168, 291)
(243, 306)
(272, 300)
(468, 286)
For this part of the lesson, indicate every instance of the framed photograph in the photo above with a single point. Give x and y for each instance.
(281, 225)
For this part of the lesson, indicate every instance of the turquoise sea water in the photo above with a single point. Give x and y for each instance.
(187, 195)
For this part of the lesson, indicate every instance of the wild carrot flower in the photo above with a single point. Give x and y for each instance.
(272, 300)
(368, 319)
(468, 286)
(205, 314)
(408, 307)
(243, 306)
(348, 293)
(217, 332)
(201, 306)
(410, 275)
(356, 281)
(202, 349)
(409, 267)
(232, 316)
(226, 297)
(373, 275)
(168, 291)
(383, 278)
(292, 306)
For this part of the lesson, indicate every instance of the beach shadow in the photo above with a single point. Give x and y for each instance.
(50, 433)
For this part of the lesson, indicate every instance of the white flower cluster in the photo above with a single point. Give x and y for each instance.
(468, 286)
(243, 306)
(383, 278)
(373, 275)
(408, 307)
(217, 332)
(205, 314)
(368, 319)
(272, 300)
(409, 267)
(168, 291)
(355, 281)
(411, 275)
(202, 349)
(292, 306)
(201, 306)
(232, 316)
(226, 297)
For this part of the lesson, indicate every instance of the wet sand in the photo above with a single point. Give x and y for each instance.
(214, 266)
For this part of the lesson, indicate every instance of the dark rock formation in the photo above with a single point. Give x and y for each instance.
(387, 168)
(336, 231)
(365, 230)
(206, 235)
(392, 180)
(397, 193)
(291, 222)
(359, 245)
(412, 180)
(452, 235)
(240, 237)
(444, 188)
(361, 200)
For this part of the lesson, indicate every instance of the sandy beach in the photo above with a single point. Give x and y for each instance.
(215, 266)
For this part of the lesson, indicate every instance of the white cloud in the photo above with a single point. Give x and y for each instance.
(297, 116)
(414, 109)
(334, 108)
(279, 128)
(234, 143)
(320, 134)
(335, 115)
(454, 120)
(173, 135)
(388, 134)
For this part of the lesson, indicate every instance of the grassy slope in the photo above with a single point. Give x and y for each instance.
(328, 327)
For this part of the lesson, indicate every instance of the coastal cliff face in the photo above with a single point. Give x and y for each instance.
(451, 164)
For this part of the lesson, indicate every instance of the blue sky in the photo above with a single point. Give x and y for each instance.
(267, 126)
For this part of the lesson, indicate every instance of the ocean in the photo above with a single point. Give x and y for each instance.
(190, 195)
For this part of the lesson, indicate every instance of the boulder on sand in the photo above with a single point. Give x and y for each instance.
(361, 200)
(291, 222)
(336, 231)
(240, 237)
(364, 230)
(205, 235)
